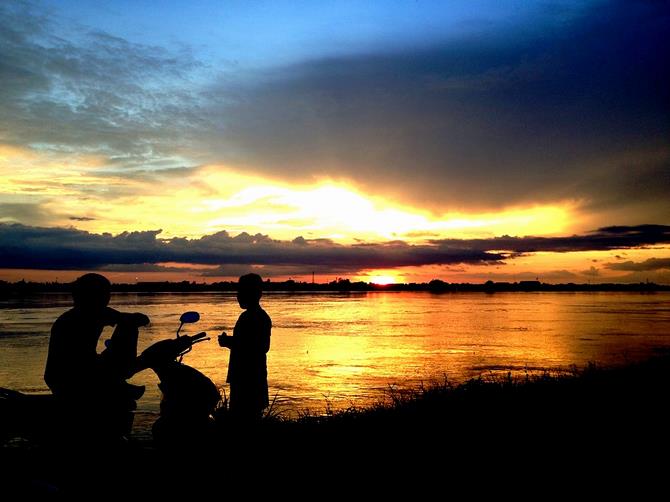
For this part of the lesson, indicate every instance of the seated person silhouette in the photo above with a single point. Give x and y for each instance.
(247, 367)
(90, 388)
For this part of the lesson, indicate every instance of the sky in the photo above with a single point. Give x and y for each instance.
(381, 141)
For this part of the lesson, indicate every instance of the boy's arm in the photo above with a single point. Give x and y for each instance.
(226, 341)
(254, 336)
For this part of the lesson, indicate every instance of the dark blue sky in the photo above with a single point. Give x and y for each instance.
(269, 33)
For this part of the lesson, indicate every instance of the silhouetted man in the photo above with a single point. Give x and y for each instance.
(247, 368)
(90, 387)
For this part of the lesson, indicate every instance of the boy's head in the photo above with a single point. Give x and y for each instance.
(91, 292)
(249, 290)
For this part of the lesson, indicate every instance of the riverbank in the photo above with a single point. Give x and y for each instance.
(622, 406)
(614, 417)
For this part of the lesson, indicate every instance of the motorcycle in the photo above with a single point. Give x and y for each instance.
(189, 398)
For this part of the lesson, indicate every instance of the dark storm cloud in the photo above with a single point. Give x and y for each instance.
(67, 248)
(58, 248)
(572, 110)
(644, 266)
(606, 238)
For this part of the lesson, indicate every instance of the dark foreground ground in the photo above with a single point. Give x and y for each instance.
(602, 430)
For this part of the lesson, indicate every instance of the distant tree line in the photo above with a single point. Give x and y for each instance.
(435, 286)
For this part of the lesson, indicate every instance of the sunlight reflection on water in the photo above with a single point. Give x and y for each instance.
(339, 349)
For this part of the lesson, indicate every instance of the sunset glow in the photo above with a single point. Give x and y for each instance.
(393, 155)
(215, 198)
(382, 279)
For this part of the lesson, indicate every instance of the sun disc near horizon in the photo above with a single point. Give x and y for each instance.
(382, 280)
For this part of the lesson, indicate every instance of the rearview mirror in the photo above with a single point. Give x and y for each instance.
(189, 317)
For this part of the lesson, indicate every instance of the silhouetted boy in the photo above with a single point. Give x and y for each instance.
(90, 387)
(247, 368)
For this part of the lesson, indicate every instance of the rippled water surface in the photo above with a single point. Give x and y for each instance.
(340, 349)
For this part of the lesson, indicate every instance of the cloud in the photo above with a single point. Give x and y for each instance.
(33, 213)
(577, 112)
(146, 267)
(656, 276)
(68, 248)
(549, 276)
(570, 105)
(647, 265)
(71, 90)
(591, 272)
(606, 238)
(58, 248)
(269, 271)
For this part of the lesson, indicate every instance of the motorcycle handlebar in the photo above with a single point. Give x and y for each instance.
(199, 336)
(164, 351)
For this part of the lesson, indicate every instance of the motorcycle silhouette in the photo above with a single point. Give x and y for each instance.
(189, 397)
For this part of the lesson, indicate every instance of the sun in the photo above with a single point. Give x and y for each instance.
(382, 280)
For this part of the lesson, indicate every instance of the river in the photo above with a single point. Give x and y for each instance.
(335, 350)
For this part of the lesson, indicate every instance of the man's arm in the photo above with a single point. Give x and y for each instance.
(112, 317)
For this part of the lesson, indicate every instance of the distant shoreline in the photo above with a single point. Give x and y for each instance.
(340, 285)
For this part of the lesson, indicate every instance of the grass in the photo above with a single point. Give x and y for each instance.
(623, 406)
(500, 425)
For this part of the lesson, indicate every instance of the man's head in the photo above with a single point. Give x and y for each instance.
(249, 290)
(91, 292)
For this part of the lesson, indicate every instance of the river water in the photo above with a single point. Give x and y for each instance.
(335, 350)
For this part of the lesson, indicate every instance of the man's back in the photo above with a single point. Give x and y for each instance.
(72, 358)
